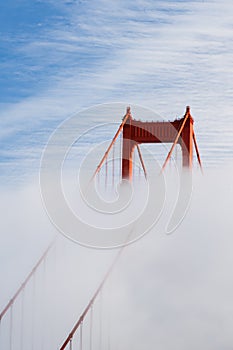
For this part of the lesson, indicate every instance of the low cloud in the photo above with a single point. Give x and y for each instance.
(166, 290)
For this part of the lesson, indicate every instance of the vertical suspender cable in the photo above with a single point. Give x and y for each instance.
(120, 157)
(108, 328)
(0, 331)
(133, 164)
(70, 343)
(81, 336)
(128, 115)
(11, 325)
(33, 310)
(98, 179)
(106, 172)
(91, 326)
(139, 169)
(113, 164)
(100, 321)
(22, 322)
(44, 294)
(109, 343)
(8, 306)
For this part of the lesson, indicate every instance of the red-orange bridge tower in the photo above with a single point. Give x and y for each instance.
(136, 132)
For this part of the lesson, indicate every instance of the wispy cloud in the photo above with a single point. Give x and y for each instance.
(163, 55)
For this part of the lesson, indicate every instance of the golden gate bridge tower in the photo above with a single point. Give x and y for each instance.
(134, 133)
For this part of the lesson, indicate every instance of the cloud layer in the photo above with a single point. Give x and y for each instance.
(171, 291)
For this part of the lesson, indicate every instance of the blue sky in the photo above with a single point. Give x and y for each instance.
(58, 57)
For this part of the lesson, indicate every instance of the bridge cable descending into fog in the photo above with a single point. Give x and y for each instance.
(8, 309)
(78, 326)
(130, 134)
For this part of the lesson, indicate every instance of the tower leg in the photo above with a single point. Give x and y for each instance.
(127, 159)
(187, 143)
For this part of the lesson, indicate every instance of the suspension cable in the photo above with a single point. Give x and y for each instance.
(139, 172)
(187, 114)
(83, 315)
(197, 151)
(128, 114)
(12, 300)
(141, 160)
